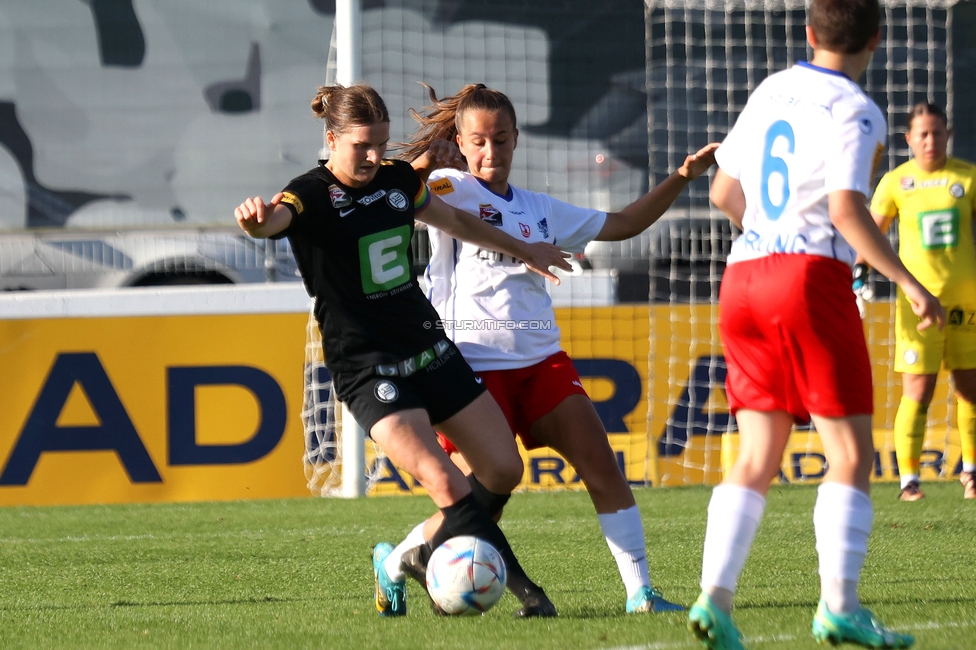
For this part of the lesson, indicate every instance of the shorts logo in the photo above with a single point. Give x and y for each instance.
(386, 392)
(957, 190)
(397, 200)
(865, 126)
(911, 357)
(526, 230)
(489, 214)
(907, 183)
(441, 187)
(288, 197)
(339, 198)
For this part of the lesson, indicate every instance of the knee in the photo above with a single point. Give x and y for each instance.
(504, 477)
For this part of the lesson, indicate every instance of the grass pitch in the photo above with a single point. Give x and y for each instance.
(297, 574)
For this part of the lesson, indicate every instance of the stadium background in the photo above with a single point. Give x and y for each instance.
(610, 98)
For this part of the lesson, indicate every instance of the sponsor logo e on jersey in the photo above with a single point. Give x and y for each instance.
(441, 187)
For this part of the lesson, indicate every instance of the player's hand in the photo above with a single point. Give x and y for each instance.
(926, 306)
(542, 255)
(446, 155)
(253, 212)
(698, 163)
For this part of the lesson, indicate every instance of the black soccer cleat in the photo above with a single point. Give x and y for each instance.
(536, 604)
(414, 564)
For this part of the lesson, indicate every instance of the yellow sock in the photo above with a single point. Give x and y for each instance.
(966, 418)
(909, 435)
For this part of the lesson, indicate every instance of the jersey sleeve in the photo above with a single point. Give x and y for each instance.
(574, 227)
(855, 149)
(303, 197)
(729, 154)
(883, 202)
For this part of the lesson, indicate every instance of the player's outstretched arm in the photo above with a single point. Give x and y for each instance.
(639, 215)
(259, 219)
(850, 216)
(460, 225)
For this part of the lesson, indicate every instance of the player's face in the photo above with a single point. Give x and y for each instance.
(356, 154)
(928, 139)
(487, 141)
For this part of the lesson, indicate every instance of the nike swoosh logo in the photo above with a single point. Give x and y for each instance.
(343, 213)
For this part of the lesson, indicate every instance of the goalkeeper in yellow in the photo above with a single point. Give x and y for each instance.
(934, 197)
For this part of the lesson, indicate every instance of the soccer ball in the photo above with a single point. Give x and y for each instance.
(465, 576)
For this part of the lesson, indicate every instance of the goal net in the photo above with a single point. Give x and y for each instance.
(704, 57)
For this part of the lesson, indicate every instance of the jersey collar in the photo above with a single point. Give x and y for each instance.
(817, 68)
(508, 196)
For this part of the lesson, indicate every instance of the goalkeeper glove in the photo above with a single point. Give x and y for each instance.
(860, 283)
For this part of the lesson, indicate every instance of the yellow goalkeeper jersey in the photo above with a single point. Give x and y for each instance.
(935, 225)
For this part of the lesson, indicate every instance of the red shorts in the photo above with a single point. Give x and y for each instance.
(526, 394)
(793, 338)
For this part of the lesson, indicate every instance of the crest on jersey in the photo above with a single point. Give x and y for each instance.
(907, 183)
(957, 190)
(397, 200)
(490, 214)
(339, 198)
(543, 227)
(526, 230)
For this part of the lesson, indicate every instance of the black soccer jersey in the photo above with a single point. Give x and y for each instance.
(353, 248)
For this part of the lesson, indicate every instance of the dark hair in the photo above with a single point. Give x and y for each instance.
(441, 119)
(844, 26)
(925, 108)
(343, 108)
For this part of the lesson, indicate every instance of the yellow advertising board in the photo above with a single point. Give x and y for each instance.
(188, 407)
(201, 400)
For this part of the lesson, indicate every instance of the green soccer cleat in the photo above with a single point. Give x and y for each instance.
(648, 599)
(713, 627)
(860, 627)
(390, 596)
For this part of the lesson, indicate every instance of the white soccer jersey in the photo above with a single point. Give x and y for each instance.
(496, 310)
(805, 132)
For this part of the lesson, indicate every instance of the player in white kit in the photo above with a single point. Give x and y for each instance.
(503, 322)
(794, 174)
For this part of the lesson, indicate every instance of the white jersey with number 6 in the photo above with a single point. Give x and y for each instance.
(804, 133)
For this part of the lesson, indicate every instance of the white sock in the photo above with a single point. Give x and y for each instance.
(908, 478)
(842, 521)
(392, 564)
(624, 532)
(734, 513)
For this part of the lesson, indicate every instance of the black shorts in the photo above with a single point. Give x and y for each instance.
(442, 388)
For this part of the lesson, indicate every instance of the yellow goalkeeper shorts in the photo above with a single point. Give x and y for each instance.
(922, 353)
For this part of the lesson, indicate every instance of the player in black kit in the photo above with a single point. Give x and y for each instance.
(350, 222)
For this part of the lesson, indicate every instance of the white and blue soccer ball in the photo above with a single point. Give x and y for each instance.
(466, 576)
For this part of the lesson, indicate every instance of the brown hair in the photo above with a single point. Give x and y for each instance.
(343, 108)
(441, 119)
(844, 26)
(925, 108)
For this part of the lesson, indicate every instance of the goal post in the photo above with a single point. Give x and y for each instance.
(704, 57)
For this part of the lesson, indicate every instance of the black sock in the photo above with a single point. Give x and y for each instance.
(468, 517)
(492, 501)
